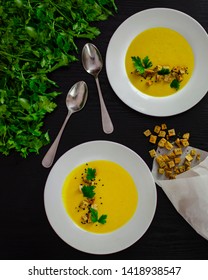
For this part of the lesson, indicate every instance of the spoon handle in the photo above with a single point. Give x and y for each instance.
(106, 120)
(50, 155)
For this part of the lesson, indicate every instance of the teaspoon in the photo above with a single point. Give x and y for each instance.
(75, 101)
(93, 63)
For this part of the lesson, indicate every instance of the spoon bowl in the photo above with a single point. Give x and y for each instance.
(91, 59)
(77, 97)
(93, 63)
(75, 101)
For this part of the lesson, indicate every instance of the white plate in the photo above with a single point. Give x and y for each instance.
(188, 96)
(92, 242)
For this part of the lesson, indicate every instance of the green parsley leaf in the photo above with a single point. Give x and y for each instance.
(164, 71)
(138, 64)
(94, 217)
(102, 219)
(90, 174)
(141, 64)
(88, 191)
(175, 84)
(146, 62)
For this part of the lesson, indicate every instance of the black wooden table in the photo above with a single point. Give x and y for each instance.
(25, 232)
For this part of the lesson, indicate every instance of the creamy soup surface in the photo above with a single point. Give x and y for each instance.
(116, 195)
(163, 46)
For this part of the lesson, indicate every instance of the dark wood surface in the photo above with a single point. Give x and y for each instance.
(25, 232)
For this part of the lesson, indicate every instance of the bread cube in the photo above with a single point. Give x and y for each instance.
(166, 158)
(147, 132)
(182, 168)
(163, 126)
(189, 157)
(193, 152)
(162, 142)
(198, 156)
(153, 139)
(161, 171)
(152, 153)
(177, 160)
(185, 142)
(168, 145)
(178, 151)
(171, 155)
(168, 173)
(171, 164)
(157, 129)
(186, 135)
(162, 133)
(171, 132)
(178, 142)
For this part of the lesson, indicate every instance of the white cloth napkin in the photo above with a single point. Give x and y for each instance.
(189, 191)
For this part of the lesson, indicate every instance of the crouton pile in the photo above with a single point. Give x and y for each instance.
(165, 73)
(169, 160)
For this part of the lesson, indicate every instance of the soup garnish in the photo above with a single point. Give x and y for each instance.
(159, 73)
(100, 196)
(159, 62)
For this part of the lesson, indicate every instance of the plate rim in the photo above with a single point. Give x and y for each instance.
(108, 237)
(155, 106)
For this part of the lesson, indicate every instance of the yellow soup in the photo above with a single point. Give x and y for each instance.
(115, 196)
(164, 47)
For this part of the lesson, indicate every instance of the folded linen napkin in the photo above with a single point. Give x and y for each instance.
(189, 191)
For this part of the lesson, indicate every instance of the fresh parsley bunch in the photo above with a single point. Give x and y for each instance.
(36, 38)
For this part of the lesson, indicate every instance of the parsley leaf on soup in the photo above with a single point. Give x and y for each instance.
(94, 216)
(175, 84)
(141, 64)
(164, 71)
(88, 191)
(91, 172)
(102, 219)
(146, 62)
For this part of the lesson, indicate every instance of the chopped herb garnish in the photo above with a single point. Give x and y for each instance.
(90, 174)
(141, 64)
(159, 73)
(102, 219)
(94, 217)
(88, 191)
(164, 71)
(175, 84)
(146, 62)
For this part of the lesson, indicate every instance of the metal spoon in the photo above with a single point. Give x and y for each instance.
(75, 101)
(93, 63)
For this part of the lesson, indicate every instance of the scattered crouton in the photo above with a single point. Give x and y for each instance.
(170, 162)
(153, 139)
(157, 129)
(152, 153)
(147, 133)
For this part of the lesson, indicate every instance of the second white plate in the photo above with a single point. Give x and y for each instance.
(100, 243)
(188, 96)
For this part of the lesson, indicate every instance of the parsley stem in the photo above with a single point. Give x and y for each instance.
(57, 8)
(15, 56)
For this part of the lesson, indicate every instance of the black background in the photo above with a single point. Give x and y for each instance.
(25, 232)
